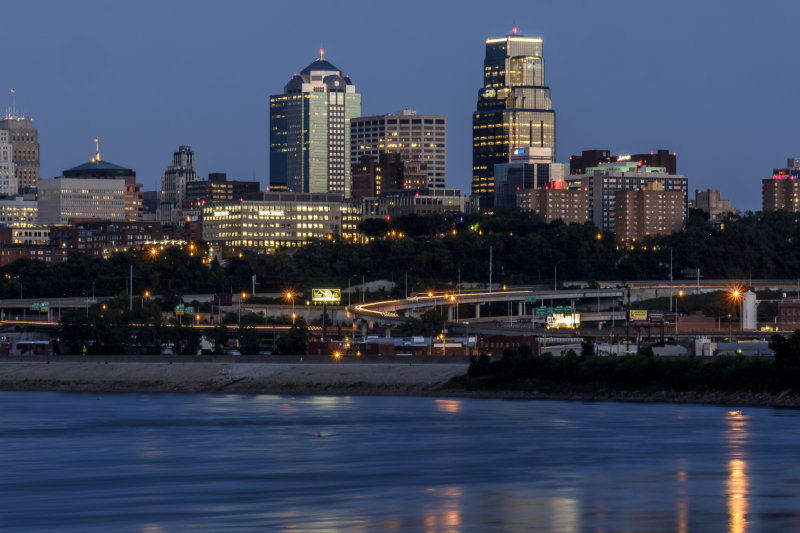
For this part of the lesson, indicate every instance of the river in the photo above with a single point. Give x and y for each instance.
(207, 463)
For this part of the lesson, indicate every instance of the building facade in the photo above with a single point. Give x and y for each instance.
(602, 182)
(62, 199)
(19, 212)
(530, 168)
(218, 189)
(651, 211)
(174, 182)
(415, 202)
(782, 191)
(8, 177)
(416, 138)
(24, 139)
(310, 131)
(593, 158)
(555, 202)
(279, 219)
(103, 238)
(514, 109)
(97, 169)
(710, 201)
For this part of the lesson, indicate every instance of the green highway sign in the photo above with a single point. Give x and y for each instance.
(189, 309)
(530, 299)
(45, 306)
(179, 309)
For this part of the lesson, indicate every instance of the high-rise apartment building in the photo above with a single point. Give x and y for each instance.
(310, 131)
(710, 201)
(555, 202)
(416, 138)
(173, 184)
(782, 190)
(602, 182)
(649, 211)
(514, 108)
(24, 139)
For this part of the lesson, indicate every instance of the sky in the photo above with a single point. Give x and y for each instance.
(714, 81)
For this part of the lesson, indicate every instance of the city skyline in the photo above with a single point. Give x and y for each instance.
(624, 77)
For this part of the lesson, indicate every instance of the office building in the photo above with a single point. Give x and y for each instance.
(103, 238)
(530, 168)
(710, 201)
(594, 158)
(97, 169)
(217, 188)
(24, 139)
(19, 212)
(62, 199)
(181, 172)
(416, 138)
(603, 181)
(514, 109)
(649, 211)
(310, 131)
(8, 177)
(415, 202)
(782, 190)
(271, 220)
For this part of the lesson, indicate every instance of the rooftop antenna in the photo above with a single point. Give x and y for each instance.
(321, 53)
(96, 157)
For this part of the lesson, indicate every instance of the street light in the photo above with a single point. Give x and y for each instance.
(290, 296)
(243, 296)
(146, 295)
(679, 295)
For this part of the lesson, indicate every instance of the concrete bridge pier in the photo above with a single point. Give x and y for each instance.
(520, 308)
(477, 310)
(364, 328)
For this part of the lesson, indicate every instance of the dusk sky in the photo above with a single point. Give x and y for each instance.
(714, 81)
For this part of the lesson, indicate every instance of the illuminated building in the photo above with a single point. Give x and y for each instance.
(219, 189)
(103, 238)
(555, 202)
(416, 138)
(18, 212)
(602, 182)
(270, 220)
(310, 131)
(593, 158)
(530, 168)
(173, 184)
(649, 211)
(415, 202)
(782, 191)
(62, 199)
(514, 109)
(95, 169)
(24, 139)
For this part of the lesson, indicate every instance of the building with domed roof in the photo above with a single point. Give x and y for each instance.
(310, 131)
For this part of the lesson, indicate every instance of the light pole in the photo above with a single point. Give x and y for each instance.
(145, 295)
(242, 297)
(680, 294)
(290, 297)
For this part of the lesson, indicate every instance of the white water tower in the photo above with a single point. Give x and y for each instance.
(749, 314)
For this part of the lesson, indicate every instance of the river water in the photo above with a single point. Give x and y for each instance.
(199, 463)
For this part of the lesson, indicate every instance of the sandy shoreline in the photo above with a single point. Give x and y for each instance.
(378, 379)
(227, 377)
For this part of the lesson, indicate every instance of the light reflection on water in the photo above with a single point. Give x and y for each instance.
(157, 464)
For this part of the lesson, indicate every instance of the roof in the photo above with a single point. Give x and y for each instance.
(320, 64)
(96, 165)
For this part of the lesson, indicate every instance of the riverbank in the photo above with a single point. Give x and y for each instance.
(385, 379)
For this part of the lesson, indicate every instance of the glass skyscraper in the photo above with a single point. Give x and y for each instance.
(514, 109)
(310, 131)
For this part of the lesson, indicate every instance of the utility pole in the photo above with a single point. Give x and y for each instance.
(490, 269)
(130, 304)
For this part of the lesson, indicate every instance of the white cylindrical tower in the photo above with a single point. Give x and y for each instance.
(749, 314)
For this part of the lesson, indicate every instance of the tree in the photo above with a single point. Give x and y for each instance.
(294, 341)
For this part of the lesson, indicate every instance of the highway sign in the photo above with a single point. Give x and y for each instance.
(530, 299)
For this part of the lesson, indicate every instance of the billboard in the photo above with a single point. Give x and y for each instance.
(326, 295)
(561, 320)
(637, 314)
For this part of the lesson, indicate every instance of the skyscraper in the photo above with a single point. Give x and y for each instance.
(310, 130)
(24, 139)
(173, 184)
(415, 137)
(514, 108)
